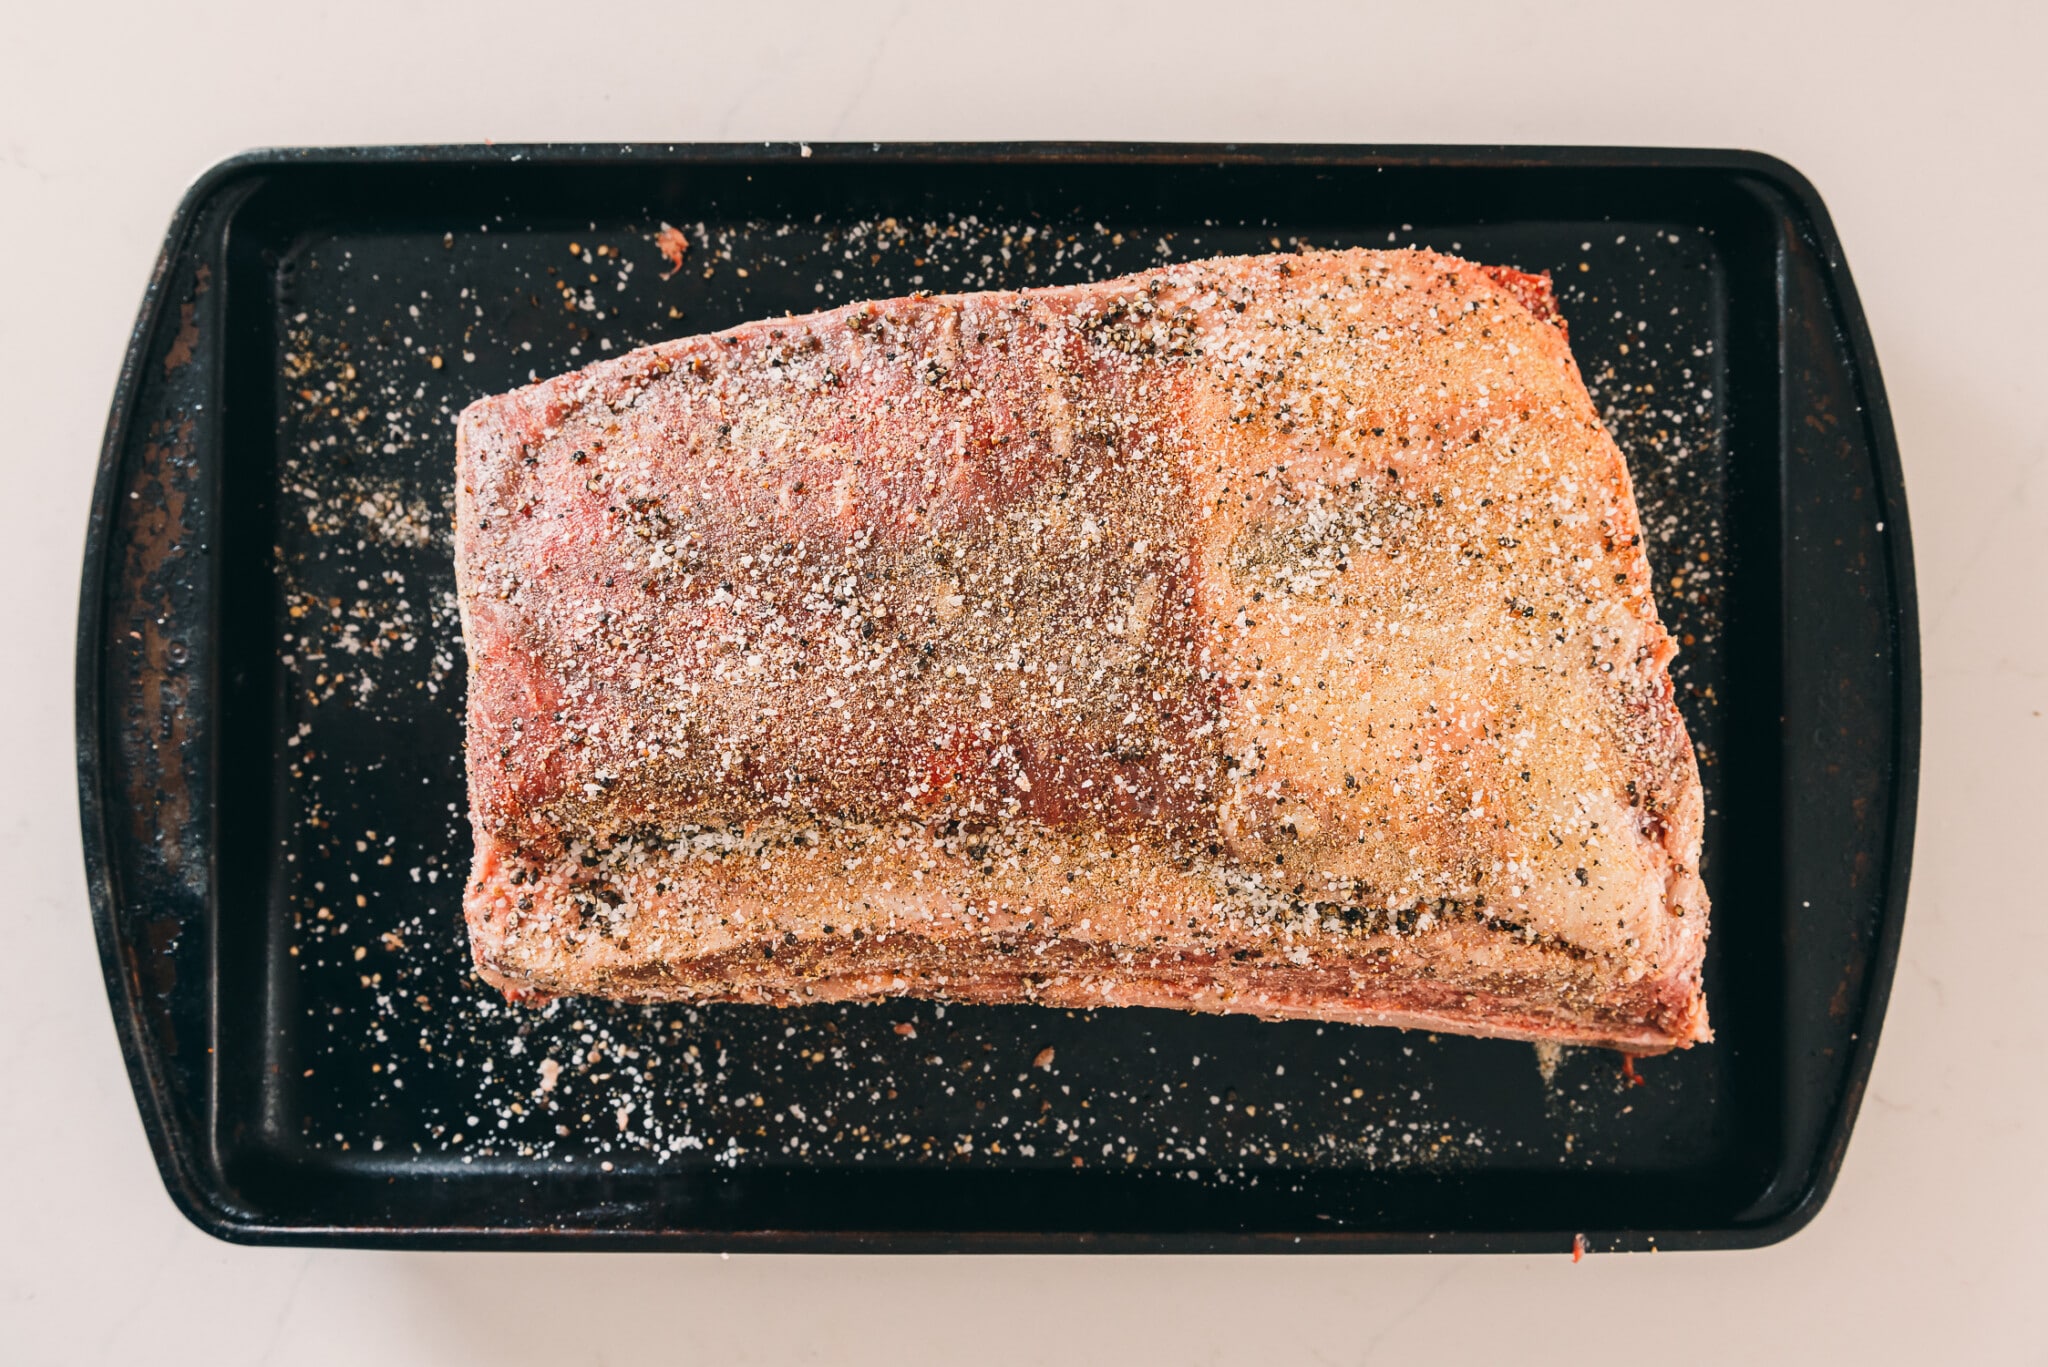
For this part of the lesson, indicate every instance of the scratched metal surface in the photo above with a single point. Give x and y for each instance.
(358, 1049)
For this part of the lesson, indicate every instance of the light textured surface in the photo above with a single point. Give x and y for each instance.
(1924, 128)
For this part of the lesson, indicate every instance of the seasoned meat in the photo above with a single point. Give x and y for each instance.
(1264, 634)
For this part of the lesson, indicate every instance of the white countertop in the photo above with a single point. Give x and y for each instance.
(1926, 130)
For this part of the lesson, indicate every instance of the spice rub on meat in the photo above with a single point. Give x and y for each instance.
(1264, 634)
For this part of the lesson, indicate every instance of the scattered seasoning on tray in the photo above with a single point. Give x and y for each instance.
(407, 1054)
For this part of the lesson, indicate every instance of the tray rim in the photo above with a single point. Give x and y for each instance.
(184, 1175)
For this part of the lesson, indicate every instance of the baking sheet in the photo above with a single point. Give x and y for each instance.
(271, 695)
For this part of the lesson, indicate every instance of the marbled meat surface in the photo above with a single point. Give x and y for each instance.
(1263, 634)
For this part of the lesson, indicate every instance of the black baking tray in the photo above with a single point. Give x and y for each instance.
(269, 728)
